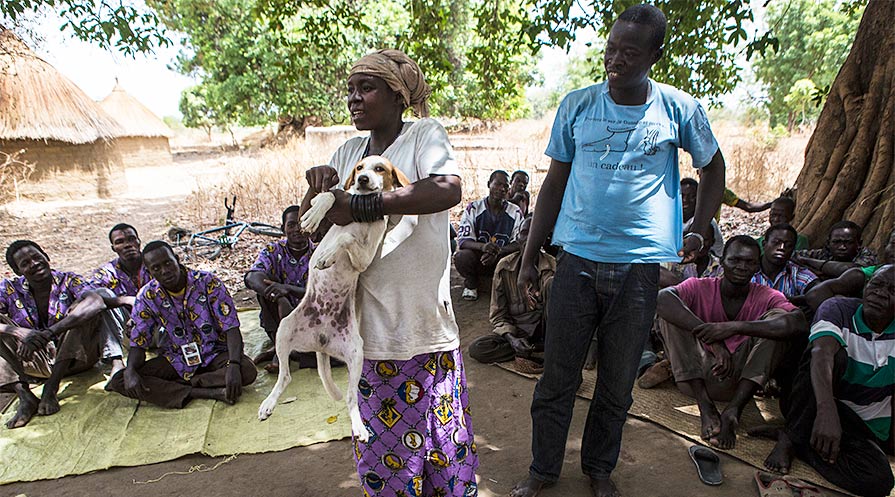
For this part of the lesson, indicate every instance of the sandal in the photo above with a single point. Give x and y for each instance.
(803, 488)
(708, 464)
(772, 485)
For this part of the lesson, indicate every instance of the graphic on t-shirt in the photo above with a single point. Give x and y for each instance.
(649, 142)
(615, 141)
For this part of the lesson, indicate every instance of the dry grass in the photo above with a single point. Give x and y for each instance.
(14, 172)
(759, 167)
(760, 164)
(268, 180)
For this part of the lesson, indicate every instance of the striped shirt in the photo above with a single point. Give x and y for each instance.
(791, 281)
(869, 379)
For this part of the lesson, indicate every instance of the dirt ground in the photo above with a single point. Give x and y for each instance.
(653, 462)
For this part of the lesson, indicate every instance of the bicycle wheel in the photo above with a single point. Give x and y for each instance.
(264, 229)
(207, 248)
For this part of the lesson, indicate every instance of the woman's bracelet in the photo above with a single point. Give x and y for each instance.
(366, 208)
(230, 362)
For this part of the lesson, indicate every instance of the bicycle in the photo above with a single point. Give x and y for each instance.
(208, 244)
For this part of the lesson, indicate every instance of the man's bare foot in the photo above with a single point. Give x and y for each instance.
(117, 365)
(265, 356)
(28, 403)
(603, 487)
(769, 432)
(727, 436)
(529, 487)
(210, 393)
(49, 404)
(710, 419)
(780, 458)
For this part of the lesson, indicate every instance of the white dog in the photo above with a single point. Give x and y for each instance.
(325, 321)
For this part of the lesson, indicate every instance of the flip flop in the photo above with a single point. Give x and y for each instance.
(708, 464)
(772, 485)
(803, 488)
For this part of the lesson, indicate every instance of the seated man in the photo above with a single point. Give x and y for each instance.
(689, 189)
(722, 341)
(840, 419)
(777, 270)
(652, 373)
(518, 182)
(125, 274)
(783, 211)
(849, 284)
(52, 324)
(279, 277)
(516, 319)
(486, 230)
(200, 349)
(842, 252)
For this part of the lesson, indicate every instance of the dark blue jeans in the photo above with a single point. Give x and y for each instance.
(617, 301)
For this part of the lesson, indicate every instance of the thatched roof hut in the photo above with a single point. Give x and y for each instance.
(143, 139)
(45, 114)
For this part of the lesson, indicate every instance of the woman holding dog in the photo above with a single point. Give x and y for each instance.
(413, 397)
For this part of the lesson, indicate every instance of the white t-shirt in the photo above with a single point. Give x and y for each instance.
(403, 298)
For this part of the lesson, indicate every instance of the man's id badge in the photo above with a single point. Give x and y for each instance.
(191, 354)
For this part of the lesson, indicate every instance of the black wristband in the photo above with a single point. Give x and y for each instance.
(366, 208)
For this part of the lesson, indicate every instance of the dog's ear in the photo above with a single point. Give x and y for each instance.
(399, 179)
(350, 181)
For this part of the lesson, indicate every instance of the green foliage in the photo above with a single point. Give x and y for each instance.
(127, 28)
(258, 59)
(698, 31)
(814, 39)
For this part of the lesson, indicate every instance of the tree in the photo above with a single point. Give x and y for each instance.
(799, 98)
(814, 38)
(129, 29)
(849, 170)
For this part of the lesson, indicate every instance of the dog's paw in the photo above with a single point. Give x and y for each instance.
(320, 205)
(266, 409)
(361, 433)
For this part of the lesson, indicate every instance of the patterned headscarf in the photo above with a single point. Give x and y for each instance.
(402, 75)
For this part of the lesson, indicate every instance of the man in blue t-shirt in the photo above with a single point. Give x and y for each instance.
(612, 197)
(486, 234)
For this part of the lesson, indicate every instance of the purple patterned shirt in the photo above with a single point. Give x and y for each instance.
(17, 302)
(202, 315)
(791, 281)
(279, 264)
(112, 275)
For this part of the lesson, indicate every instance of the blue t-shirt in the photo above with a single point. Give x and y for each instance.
(622, 201)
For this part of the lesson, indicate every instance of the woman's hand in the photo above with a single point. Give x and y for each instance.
(321, 178)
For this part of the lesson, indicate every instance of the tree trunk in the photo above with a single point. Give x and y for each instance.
(849, 170)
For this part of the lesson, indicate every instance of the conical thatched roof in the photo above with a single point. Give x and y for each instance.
(39, 103)
(135, 119)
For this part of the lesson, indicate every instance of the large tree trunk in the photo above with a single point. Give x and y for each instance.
(849, 170)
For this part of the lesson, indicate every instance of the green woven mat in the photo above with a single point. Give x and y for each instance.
(97, 430)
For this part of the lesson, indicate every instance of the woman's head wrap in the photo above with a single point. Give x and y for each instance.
(402, 75)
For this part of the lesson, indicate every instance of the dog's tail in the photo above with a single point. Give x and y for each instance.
(326, 376)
